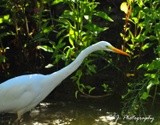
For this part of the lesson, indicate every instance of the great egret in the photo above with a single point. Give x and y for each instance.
(22, 93)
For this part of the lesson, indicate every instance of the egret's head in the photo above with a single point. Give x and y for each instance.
(103, 45)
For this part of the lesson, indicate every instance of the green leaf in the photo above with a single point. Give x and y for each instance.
(2, 58)
(149, 86)
(144, 96)
(47, 29)
(72, 37)
(45, 48)
(103, 15)
(76, 94)
(155, 64)
(69, 53)
(151, 75)
(57, 2)
(6, 17)
(135, 19)
(92, 68)
(145, 46)
(105, 86)
(91, 89)
(124, 7)
(140, 3)
(94, 28)
(1, 20)
(143, 66)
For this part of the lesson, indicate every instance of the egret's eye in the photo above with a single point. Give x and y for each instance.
(107, 47)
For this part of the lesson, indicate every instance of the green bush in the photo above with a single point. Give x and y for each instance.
(142, 35)
(77, 31)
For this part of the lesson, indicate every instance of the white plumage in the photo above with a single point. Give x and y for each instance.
(22, 93)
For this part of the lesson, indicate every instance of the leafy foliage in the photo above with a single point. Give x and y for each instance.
(22, 28)
(142, 32)
(77, 27)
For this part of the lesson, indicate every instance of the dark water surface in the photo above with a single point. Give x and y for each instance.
(77, 113)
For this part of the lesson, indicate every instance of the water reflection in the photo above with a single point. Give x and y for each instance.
(71, 113)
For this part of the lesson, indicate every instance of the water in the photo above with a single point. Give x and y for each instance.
(76, 113)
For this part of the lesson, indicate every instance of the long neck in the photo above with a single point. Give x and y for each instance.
(54, 79)
(68, 70)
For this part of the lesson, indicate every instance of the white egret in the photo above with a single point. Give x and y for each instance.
(22, 93)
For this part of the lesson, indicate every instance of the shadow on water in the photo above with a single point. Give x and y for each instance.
(75, 113)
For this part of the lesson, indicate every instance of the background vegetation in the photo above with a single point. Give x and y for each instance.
(42, 36)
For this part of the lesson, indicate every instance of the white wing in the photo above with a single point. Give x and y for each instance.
(17, 93)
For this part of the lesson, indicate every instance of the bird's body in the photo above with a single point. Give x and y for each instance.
(23, 93)
(19, 95)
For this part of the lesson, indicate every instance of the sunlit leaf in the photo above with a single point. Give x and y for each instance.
(124, 7)
(86, 17)
(105, 86)
(140, 3)
(155, 64)
(76, 94)
(142, 66)
(132, 47)
(57, 2)
(103, 15)
(145, 46)
(49, 66)
(130, 74)
(150, 75)
(45, 48)
(94, 28)
(149, 86)
(6, 17)
(135, 19)
(144, 96)
(46, 30)
(71, 40)
(69, 52)
(1, 20)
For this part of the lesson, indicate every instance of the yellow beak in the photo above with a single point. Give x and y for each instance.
(119, 51)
